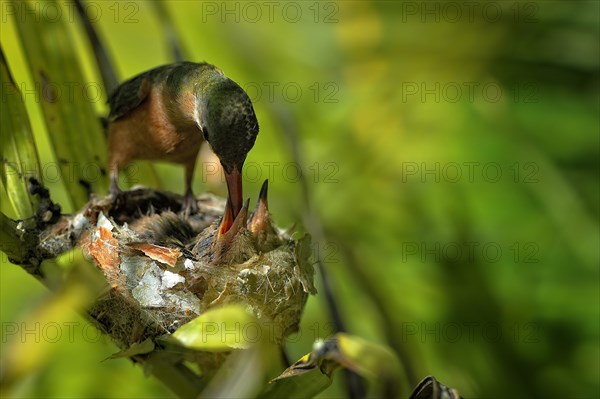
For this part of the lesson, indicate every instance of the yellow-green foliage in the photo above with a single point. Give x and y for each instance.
(451, 156)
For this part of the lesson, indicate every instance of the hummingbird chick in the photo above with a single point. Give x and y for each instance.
(166, 113)
(248, 235)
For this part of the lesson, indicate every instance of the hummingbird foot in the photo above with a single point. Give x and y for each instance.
(114, 189)
(118, 196)
(190, 206)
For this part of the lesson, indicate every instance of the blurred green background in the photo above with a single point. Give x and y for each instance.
(452, 156)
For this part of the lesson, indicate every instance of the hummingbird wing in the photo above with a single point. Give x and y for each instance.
(132, 93)
(128, 96)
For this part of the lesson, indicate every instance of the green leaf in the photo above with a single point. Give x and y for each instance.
(308, 376)
(138, 348)
(19, 155)
(66, 101)
(306, 383)
(140, 171)
(220, 329)
(241, 376)
(365, 358)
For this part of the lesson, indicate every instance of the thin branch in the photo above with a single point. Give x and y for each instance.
(15, 243)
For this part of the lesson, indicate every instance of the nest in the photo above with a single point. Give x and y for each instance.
(164, 269)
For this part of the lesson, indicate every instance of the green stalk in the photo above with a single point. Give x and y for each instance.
(19, 157)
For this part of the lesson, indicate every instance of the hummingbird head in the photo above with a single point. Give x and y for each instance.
(230, 127)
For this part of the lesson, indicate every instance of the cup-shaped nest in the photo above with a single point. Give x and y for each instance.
(165, 269)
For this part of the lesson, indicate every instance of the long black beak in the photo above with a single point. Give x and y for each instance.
(234, 197)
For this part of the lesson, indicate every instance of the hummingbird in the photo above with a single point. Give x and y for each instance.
(166, 113)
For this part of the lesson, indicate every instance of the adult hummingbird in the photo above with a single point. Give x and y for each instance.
(166, 114)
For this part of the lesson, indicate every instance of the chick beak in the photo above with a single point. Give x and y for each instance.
(234, 190)
(259, 219)
(229, 226)
(227, 220)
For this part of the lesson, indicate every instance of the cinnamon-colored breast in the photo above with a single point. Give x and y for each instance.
(160, 128)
